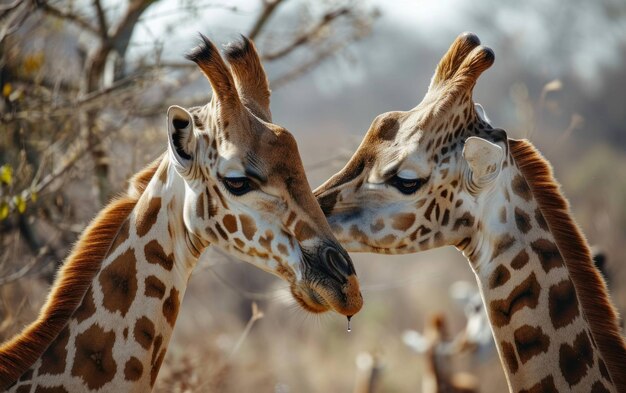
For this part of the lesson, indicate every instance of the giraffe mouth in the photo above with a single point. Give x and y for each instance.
(320, 296)
(310, 300)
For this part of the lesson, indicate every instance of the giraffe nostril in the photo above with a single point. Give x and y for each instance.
(340, 262)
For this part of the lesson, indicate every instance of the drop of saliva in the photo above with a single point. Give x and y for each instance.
(349, 328)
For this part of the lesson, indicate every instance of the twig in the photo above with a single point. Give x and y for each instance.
(307, 36)
(309, 65)
(62, 14)
(4, 8)
(102, 23)
(24, 270)
(269, 6)
(15, 20)
(256, 315)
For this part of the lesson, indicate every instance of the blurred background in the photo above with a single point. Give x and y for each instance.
(85, 87)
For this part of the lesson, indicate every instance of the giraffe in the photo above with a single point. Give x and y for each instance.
(438, 349)
(229, 178)
(440, 174)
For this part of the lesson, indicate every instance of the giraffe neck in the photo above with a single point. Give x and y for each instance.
(541, 330)
(116, 340)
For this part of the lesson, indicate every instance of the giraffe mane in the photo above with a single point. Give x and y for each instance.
(73, 280)
(590, 286)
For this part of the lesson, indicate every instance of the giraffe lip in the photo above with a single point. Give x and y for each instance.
(309, 299)
(325, 295)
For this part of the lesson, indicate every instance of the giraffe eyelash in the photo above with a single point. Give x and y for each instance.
(406, 186)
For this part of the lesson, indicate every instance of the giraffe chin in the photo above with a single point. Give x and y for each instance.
(319, 297)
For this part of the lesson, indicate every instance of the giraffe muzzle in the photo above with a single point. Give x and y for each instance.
(332, 281)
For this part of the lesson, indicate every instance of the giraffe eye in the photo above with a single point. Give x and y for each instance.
(238, 185)
(405, 186)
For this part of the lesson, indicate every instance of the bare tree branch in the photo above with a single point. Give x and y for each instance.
(66, 15)
(102, 23)
(269, 6)
(16, 19)
(309, 65)
(6, 8)
(307, 36)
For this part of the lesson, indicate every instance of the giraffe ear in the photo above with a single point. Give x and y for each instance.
(180, 135)
(483, 158)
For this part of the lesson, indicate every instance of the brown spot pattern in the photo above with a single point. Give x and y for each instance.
(603, 370)
(466, 220)
(541, 220)
(503, 243)
(530, 341)
(170, 306)
(403, 221)
(154, 287)
(598, 387)
(546, 385)
(156, 255)
(144, 332)
(230, 223)
(503, 214)
(219, 230)
(157, 346)
(520, 260)
(146, 216)
(563, 304)
(388, 128)
(508, 353)
(53, 360)
(133, 369)
(247, 226)
(94, 361)
(200, 206)
(520, 187)
(377, 226)
(574, 360)
(156, 367)
(119, 283)
(499, 277)
(524, 295)
(54, 389)
(87, 307)
(27, 376)
(121, 236)
(283, 249)
(328, 201)
(522, 220)
(303, 231)
(265, 241)
(548, 254)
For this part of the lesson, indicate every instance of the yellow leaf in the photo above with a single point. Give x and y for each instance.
(20, 204)
(33, 196)
(6, 89)
(33, 62)
(6, 174)
(4, 210)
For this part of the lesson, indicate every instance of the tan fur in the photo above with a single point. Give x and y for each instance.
(73, 280)
(218, 73)
(250, 78)
(590, 286)
(457, 73)
(453, 58)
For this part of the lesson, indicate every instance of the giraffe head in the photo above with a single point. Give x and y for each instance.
(415, 179)
(245, 188)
